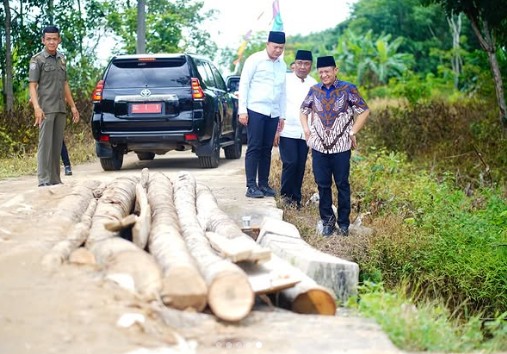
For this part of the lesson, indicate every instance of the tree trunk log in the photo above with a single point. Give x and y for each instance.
(62, 250)
(310, 298)
(116, 202)
(70, 210)
(140, 267)
(212, 218)
(121, 257)
(230, 296)
(182, 285)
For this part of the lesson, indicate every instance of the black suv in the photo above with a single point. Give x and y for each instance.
(152, 104)
(233, 86)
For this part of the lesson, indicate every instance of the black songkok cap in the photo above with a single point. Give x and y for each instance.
(323, 62)
(304, 55)
(276, 37)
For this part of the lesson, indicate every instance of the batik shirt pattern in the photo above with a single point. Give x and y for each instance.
(331, 113)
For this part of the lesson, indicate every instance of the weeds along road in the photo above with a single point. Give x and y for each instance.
(75, 310)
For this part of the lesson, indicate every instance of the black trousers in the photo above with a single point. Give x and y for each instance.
(327, 167)
(293, 153)
(261, 130)
(65, 155)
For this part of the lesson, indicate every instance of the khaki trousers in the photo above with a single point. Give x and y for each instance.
(50, 147)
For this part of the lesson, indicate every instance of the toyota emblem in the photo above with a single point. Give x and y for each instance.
(145, 93)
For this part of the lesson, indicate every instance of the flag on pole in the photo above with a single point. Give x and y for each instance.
(277, 17)
(277, 26)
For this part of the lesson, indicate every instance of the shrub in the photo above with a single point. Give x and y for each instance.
(463, 138)
(18, 135)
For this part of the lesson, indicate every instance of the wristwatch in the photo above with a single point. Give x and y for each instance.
(351, 133)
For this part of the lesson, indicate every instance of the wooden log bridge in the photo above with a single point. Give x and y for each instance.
(168, 241)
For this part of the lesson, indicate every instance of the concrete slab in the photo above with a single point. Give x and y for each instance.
(339, 275)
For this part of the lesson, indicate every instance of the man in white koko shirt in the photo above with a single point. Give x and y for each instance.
(291, 139)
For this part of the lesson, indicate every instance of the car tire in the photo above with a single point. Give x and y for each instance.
(212, 160)
(113, 163)
(233, 151)
(145, 156)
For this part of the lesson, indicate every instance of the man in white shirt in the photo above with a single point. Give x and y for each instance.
(261, 105)
(291, 140)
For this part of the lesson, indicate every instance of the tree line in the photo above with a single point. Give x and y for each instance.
(408, 48)
(172, 26)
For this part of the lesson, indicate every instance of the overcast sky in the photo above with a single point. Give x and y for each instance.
(299, 17)
(237, 17)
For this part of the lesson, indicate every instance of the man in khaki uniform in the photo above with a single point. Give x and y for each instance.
(49, 90)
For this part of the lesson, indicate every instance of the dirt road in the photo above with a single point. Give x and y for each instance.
(75, 310)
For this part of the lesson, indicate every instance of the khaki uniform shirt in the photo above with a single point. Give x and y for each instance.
(49, 72)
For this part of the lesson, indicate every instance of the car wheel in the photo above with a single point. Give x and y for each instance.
(234, 151)
(113, 163)
(212, 160)
(143, 156)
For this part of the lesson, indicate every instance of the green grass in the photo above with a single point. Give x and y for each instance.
(427, 326)
(446, 246)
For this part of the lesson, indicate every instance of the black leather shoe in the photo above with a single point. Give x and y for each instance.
(291, 203)
(254, 192)
(44, 184)
(267, 191)
(343, 231)
(328, 230)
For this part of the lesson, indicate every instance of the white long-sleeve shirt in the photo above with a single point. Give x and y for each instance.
(262, 85)
(296, 93)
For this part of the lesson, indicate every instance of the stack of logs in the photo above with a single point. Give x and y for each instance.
(183, 249)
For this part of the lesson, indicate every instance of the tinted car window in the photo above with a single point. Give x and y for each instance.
(206, 74)
(218, 79)
(156, 73)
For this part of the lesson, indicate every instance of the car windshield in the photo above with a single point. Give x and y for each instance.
(165, 72)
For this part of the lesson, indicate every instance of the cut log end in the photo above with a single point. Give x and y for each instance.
(82, 256)
(315, 301)
(183, 288)
(230, 297)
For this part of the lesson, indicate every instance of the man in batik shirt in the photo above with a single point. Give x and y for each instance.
(337, 113)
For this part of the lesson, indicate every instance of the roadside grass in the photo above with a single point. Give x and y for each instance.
(434, 271)
(18, 166)
(428, 325)
(79, 144)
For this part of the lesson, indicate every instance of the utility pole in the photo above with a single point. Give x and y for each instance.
(141, 27)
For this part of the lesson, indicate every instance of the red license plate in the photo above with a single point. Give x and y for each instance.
(140, 108)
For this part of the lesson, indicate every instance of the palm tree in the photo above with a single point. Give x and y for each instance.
(373, 61)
